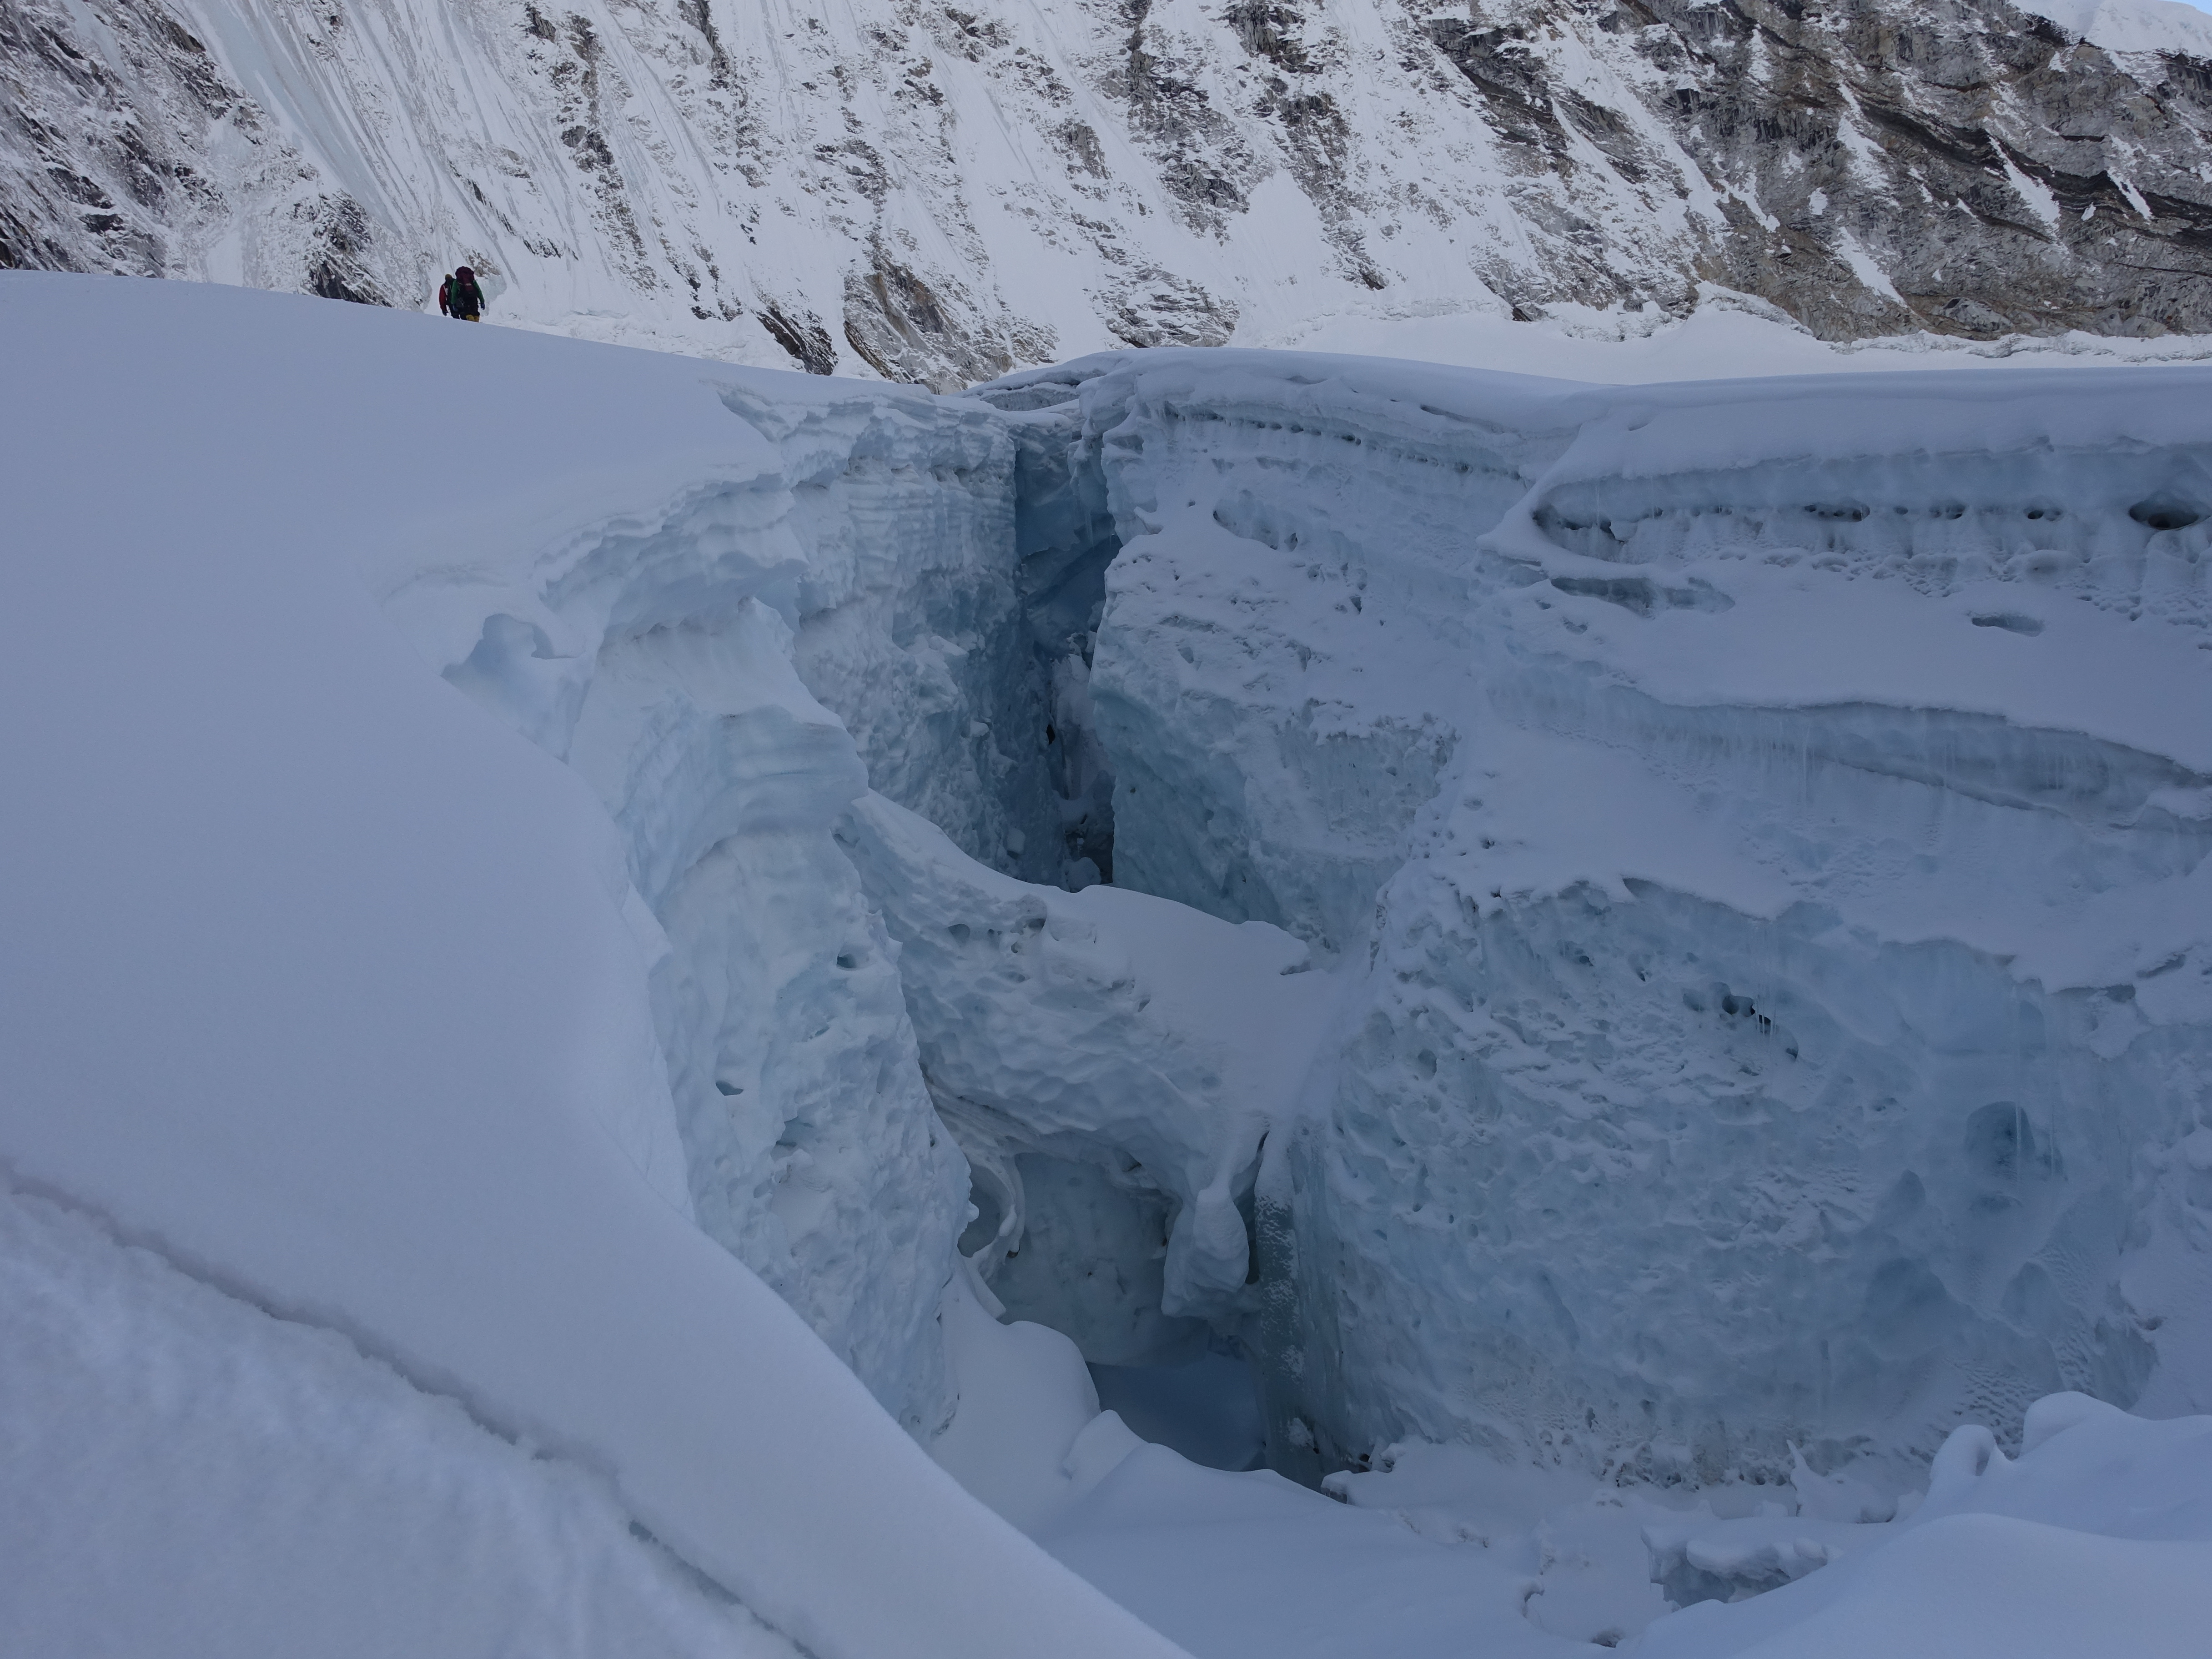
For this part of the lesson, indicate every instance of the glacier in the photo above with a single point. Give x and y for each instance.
(1638, 954)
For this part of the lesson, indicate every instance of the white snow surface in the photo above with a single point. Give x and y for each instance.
(1658, 963)
(2096, 1540)
(337, 995)
(333, 1507)
(1730, 337)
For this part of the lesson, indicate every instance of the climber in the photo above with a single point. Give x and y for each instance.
(459, 297)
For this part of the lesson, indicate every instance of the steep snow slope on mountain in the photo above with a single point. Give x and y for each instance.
(936, 193)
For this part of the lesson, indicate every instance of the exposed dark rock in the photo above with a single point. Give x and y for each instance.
(803, 338)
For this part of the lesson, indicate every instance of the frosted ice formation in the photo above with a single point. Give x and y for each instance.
(1657, 933)
(1112, 1062)
(1760, 827)
(1745, 841)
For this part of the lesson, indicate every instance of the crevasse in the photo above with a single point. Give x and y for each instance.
(1659, 927)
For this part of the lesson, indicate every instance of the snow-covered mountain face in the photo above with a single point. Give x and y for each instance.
(939, 193)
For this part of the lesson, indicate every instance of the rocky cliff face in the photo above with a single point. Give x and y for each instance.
(938, 194)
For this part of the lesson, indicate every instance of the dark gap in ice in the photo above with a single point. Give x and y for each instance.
(1207, 1409)
(1065, 536)
(2165, 514)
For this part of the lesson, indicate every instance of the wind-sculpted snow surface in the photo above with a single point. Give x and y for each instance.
(336, 1510)
(351, 1002)
(1765, 825)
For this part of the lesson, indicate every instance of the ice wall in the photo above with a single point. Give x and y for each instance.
(1112, 1061)
(655, 653)
(1763, 828)
(876, 589)
(1745, 843)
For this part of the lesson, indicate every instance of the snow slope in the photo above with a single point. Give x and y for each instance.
(2097, 1540)
(334, 992)
(332, 1507)
(2132, 25)
(941, 193)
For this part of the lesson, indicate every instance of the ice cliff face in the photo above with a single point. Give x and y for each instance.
(655, 653)
(1660, 926)
(939, 194)
(1761, 835)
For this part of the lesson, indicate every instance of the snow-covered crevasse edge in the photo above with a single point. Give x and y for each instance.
(653, 652)
(1747, 840)
(1766, 823)
(343, 1000)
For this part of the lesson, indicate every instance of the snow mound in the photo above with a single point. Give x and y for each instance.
(336, 1509)
(342, 996)
(2098, 1540)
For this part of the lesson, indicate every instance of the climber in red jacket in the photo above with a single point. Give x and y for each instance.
(459, 297)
